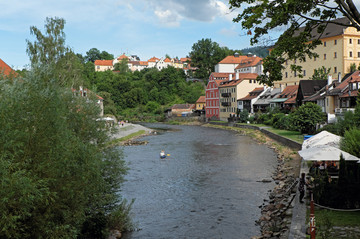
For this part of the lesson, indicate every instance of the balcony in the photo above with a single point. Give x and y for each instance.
(225, 103)
(228, 94)
(343, 110)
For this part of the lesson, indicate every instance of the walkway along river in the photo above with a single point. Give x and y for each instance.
(207, 188)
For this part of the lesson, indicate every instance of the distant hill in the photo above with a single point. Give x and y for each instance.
(261, 51)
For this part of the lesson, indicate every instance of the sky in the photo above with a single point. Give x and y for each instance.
(145, 28)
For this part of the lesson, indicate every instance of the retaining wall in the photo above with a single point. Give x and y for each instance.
(285, 141)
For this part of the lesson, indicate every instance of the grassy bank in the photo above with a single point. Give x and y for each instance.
(120, 141)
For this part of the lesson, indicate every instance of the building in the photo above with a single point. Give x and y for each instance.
(290, 92)
(308, 88)
(6, 70)
(339, 49)
(212, 94)
(245, 64)
(182, 109)
(201, 103)
(234, 89)
(86, 93)
(247, 103)
(263, 102)
(104, 65)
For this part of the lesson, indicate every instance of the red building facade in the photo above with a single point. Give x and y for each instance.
(212, 94)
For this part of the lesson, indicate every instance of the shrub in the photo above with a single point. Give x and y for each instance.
(243, 116)
(307, 117)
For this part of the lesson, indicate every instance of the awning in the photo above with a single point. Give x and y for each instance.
(325, 153)
(278, 100)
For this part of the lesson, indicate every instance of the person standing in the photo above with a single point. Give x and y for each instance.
(302, 187)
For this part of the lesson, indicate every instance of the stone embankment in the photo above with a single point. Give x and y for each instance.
(276, 211)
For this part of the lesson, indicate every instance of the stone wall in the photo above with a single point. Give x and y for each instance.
(285, 141)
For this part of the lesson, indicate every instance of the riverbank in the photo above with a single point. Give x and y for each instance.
(276, 211)
(126, 133)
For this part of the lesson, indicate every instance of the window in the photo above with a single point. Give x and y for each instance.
(249, 81)
(350, 54)
(304, 73)
(335, 42)
(324, 56)
(324, 43)
(335, 69)
(314, 58)
(286, 75)
(358, 53)
(335, 55)
(295, 73)
(350, 41)
(358, 41)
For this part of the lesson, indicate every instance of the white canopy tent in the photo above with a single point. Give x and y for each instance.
(324, 146)
(322, 138)
(325, 153)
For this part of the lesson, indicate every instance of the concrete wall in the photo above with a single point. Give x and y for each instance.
(285, 141)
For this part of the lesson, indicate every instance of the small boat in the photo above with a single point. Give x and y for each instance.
(162, 154)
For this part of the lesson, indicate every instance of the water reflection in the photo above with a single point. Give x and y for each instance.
(207, 188)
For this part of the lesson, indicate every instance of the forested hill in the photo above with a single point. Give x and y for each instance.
(146, 91)
(261, 51)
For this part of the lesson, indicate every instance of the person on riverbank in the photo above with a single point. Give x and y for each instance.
(301, 188)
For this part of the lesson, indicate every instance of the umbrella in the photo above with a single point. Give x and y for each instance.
(325, 153)
(322, 138)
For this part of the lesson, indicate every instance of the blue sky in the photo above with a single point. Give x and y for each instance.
(145, 28)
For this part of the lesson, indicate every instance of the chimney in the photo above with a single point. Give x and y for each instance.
(329, 79)
(339, 77)
(237, 76)
(230, 77)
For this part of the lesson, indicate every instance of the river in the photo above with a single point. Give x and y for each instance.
(207, 188)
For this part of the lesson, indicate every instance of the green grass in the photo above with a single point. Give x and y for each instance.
(339, 218)
(128, 137)
(294, 135)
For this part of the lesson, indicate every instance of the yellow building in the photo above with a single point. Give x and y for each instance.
(339, 49)
(233, 90)
(200, 103)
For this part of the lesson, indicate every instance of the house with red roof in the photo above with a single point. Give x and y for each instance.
(247, 102)
(200, 103)
(103, 65)
(6, 70)
(236, 87)
(244, 64)
(287, 95)
(212, 109)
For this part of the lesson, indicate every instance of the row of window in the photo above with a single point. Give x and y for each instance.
(350, 42)
(212, 94)
(212, 103)
(212, 111)
(232, 109)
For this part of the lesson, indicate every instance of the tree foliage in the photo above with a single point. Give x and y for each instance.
(306, 118)
(321, 73)
(262, 17)
(58, 176)
(95, 54)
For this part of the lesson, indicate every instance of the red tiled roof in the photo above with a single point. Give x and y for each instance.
(167, 60)
(183, 106)
(185, 59)
(248, 62)
(355, 77)
(6, 69)
(123, 56)
(143, 63)
(353, 93)
(201, 99)
(220, 75)
(103, 62)
(237, 60)
(153, 59)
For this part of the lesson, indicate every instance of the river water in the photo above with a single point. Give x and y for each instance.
(207, 188)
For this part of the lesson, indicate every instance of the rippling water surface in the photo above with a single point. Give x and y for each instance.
(206, 188)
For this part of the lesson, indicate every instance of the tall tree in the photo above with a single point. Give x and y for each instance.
(262, 17)
(205, 54)
(49, 50)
